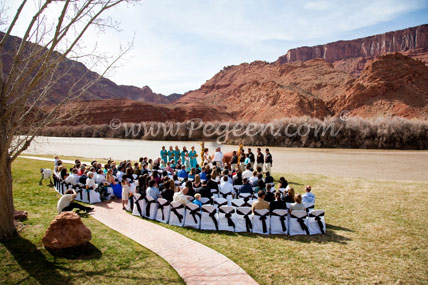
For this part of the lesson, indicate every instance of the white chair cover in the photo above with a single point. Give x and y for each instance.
(93, 196)
(109, 193)
(218, 202)
(297, 224)
(261, 222)
(316, 222)
(243, 221)
(80, 190)
(205, 200)
(278, 222)
(193, 216)
(214, 192)
(226, 195)
(245, 196)
(139, 205)
(163, 211)
(177, 214)
(151, 208)
(226, 218)
(209, 218)
(309, 207)
(241, 203)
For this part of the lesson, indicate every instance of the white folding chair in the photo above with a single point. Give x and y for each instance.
(316, 222)
(193, 216)
(218, 202)
(151, 208)
(226, 218)
(163, 211)
(227, 196)
(139, 205)
(297, 223)
(288, 205)
(109, 193)
(205, 201)
(177, 214)
(243, 220)
(209, 218)
(261, 221)
(278, 222)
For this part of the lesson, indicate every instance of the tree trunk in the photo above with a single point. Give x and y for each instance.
(7, 225)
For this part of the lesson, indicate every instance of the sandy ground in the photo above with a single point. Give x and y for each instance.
(352, 163)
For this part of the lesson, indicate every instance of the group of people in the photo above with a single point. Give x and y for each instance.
(187, 183)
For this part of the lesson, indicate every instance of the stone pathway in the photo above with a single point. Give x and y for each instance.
(194, 262)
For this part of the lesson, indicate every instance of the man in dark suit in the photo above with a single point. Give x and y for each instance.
(246, 187)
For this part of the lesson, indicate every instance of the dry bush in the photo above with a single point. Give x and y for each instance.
(373, 133)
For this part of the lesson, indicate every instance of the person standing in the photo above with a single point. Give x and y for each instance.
(218, 158)
(183, 155)
(164, 154)
(234, 161)
(260, 159)
(242, 161)
(170, 154)
(251, 157)
(268, 161)
(192, 156)
(177, 153)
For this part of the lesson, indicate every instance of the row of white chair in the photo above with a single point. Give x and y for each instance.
(89, 196)
(229, 218)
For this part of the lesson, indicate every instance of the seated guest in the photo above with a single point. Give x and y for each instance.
(203, 174)
(226, 187)
(282, 183)
(198, 201)
(269, 178)
(136, 169)
(152, 190)
(83, 177)
(66, 203)
(260, 185)
(278, 203)
(289, 197)
(298, 205)
(254, 179)
(308, 197)
(211, 184)
(237, 179)
(192, 174)
(190, 192)
(156, 177)
(205, 191)
(169, 168)
(197, 183)
(119, 174)
(226, 175)
(182, 173)
(73, 178)
(90, 181)
(100, 178)
(246, 187)
(168, 193)
(259, 182)
(181, 196)
(247, 173)
(142, 185)
(269, 197)
(260, 204)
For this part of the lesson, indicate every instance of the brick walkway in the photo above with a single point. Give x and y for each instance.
(194, 262)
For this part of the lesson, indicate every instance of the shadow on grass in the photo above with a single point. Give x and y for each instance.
(29, 257)
(87, 251)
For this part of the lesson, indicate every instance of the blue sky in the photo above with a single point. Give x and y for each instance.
(178, 45)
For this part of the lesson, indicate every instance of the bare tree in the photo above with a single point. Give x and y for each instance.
(31, 68)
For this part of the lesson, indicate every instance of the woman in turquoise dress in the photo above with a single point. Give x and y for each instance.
(164, 154)
(177, 154)
(170, 154)
(193, 155)
(183, 155)
(186, 161)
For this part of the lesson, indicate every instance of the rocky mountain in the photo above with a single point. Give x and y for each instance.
(390, 85)
(351, 56)
(78, 72)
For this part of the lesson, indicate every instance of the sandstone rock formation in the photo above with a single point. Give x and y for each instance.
(351, 56)
(66, 230)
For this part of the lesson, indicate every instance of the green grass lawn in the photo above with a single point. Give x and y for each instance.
(376, 233)
(109, 258)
